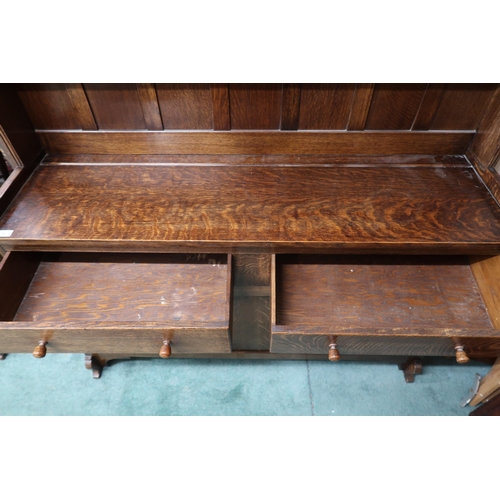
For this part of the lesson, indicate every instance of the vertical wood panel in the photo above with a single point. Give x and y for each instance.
(486, 271)
(394, 106)
(326, 106)
(220, 106)
(49, 106)
(361, 106)
(255, 106)
(251, 322)
(149, 103)
(81, 106)
(462, 106)
(486, 143)
(429, 106)
(290, 106)
(185, 105)
(116, 106)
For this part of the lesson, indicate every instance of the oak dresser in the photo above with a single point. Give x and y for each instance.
(297, 221)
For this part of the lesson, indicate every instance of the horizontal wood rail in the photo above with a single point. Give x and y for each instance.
(255, 142)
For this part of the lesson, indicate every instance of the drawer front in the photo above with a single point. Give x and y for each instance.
(116, 339)
(380, 345)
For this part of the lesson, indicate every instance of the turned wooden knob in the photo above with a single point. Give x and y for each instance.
(40, 350)
(333, 353)
(165, 350)
(461, 355)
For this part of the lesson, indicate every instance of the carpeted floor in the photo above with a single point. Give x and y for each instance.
(59, 385)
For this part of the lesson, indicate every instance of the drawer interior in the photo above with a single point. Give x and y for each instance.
(73, 287)
(326, 296)
(378, 291)
(101, 296)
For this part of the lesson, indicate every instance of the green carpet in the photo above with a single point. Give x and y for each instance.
(59, 385)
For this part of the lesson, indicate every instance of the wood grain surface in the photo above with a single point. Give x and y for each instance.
(149, 103)
(323, 106)
(185, 105)
(81, 106)
(251, 142)
(255, 106)
(171, 289)
(281, 209)
(486, 144)
(378, 292)
(361, 106)
(49, 106)
(428, 106)
(486, 271)
(486, 344)
(394, 106)
(290, 106)
(220, 106)
(251, 322)
(121, 338)
(462, 106)
(326, 106)
(116, 106)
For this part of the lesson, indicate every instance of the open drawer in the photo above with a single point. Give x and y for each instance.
(386, 305)
(115, 303)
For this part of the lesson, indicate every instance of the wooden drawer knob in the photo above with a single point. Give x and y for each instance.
(461, 355)
(165, 350)
(333, 353)
(40, 350)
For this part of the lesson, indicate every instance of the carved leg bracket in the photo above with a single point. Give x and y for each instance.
(412, 367)
(2, 356)
(94, 364)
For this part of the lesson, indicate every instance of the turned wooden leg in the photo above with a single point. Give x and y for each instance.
(94, 364)
(2, 356)
(412, 367)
